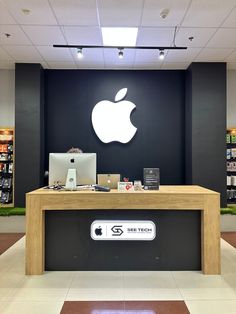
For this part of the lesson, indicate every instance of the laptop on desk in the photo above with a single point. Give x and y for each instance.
(110, 180)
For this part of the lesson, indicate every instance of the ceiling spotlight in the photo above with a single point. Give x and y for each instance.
(161, 55)
(80, 53)
(121, 53)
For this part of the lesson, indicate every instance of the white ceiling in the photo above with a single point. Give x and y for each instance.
(212, 23)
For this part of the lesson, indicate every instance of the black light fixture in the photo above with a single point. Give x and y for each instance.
(124, 47)
(121, 49)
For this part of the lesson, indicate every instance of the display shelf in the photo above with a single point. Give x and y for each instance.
(6, 167)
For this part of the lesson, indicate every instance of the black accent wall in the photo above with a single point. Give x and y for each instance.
(180, 116)
(159, 116)
(29, 130)
(206, 126)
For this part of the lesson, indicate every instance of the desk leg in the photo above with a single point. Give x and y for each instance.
(34, 236)
(210, 235)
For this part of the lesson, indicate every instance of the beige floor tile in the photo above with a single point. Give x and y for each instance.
(39, 294)
(98, 280)
(49, 280)
(212, 306)
(149, 280)
(208, 294)
(31, 307)
(192, 280)
(99, 294)
(152, 294)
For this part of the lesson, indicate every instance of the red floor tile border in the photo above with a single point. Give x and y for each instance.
(8, 239)
(230, 237)
(124, 307)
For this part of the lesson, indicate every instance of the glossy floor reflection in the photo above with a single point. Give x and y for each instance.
(125, 307)
(78, 292)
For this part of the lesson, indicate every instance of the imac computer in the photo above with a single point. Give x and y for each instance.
(72, 169)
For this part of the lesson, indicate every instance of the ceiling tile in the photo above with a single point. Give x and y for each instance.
(90, 65)
(187, 55)
(44, 65)
(231, 66)
(223, 38)
(17, 37)
(175, 66)
(62, 65)
(4, 55)
(44, 35)
(150, 36)
(201, 36)
(115, 66)
(40, 12)
(147, 56)
(213, 55)
(210, 13)
(5, 17)
(24, 53)
(152, 9)
(10, 65)
(75, 12)
(147, 66)
(83, 35)
(231, 19)
(231, 57)
(50, 53)
(120, 13)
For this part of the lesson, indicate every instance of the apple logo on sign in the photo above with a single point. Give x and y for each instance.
(111, 120)
(98, 231)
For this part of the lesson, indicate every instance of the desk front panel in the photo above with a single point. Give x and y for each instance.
(68, 245)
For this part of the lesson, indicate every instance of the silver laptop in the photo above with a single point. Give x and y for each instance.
(109, 180)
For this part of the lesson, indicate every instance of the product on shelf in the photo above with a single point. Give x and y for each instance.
(6, 165)
(233, 138)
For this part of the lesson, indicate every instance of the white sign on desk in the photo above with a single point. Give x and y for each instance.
(129, 230)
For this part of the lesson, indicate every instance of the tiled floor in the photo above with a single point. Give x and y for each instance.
(8, 239)
(116, 292)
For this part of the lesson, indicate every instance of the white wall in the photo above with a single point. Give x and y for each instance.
(7, 98)
(231, 99)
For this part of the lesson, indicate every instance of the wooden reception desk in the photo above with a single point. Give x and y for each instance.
(167, 198)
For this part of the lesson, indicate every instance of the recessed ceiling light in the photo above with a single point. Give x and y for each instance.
(119, 36)
(25, 11)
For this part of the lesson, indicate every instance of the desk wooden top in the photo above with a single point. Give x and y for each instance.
(164, 189)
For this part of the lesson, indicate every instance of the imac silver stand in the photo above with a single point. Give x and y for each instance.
(71, 179)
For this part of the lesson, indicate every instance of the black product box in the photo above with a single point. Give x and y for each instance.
(151, 178)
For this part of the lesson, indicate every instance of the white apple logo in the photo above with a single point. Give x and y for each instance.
(111, 121)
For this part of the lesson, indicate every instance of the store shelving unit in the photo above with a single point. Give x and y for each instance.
(231, 165)
(6, 167)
